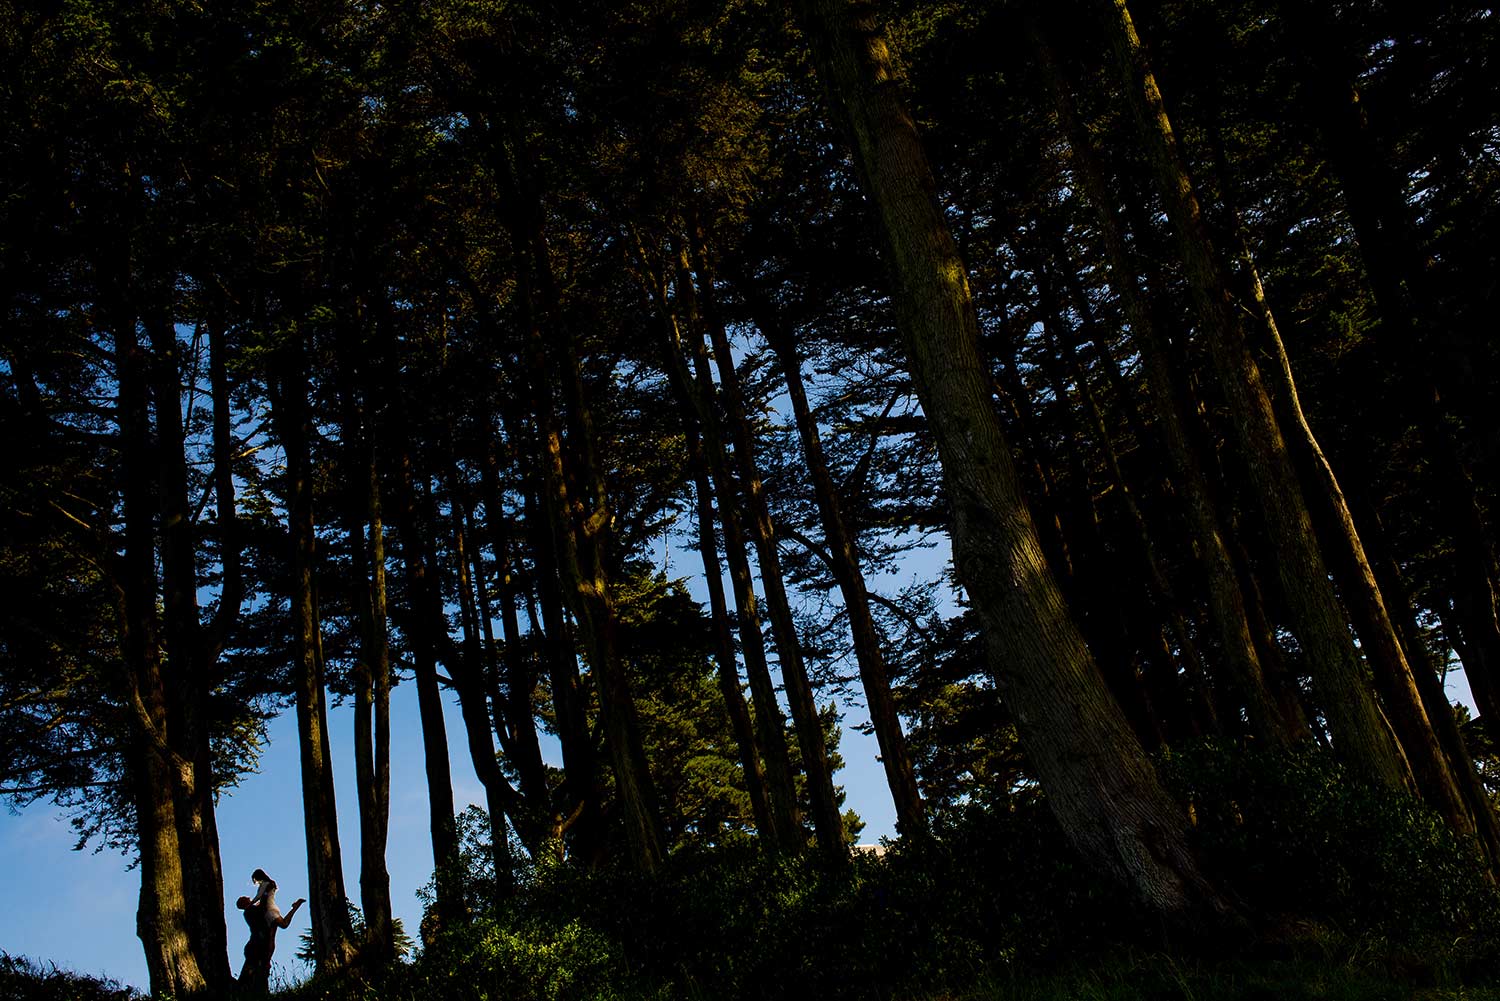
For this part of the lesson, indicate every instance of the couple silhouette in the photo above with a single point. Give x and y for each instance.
(264, 919)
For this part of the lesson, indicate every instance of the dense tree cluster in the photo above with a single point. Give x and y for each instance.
(347, 344)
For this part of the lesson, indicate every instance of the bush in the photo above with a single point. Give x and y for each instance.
(1293, 833)
(22, 979)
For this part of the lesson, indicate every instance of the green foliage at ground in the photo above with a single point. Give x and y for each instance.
(1351, 895)
(22, 979)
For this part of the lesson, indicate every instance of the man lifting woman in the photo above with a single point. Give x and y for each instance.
(264, 918)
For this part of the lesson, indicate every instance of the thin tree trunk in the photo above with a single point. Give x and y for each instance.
(333, 944)
(576, 504)
(1361, 734)
(728, 673)
(900, 774)
(828, 822)
(1226, 602)
(540, 827)
(1098, 781)
(371, 673)
(426, 617)
(467, 669)
(696, 395)
(1391, 250)
(1394, 680)
(586, 819)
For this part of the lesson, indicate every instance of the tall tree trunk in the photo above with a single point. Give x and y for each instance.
(1361, 733)
(1205, 714)
(574, 497)
(828, 822)
(585, 824)
(467, 669)
(724, 660)
(1152, 709)
(426, 619)
(1391, 250)
(1394, 679)
(371, 672)
(333, 942)
(540, 827)
(162, 918)
(1098, 781)
(695, 394)
(1226, 603)
(580, 524)
(189, 670)
(900, 774)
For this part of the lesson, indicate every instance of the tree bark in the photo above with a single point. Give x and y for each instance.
(162, 918)
(1361, 734)
(1097, 779)
(874, 675)
(333, 944)
(696, 395)
(371, 672)
(187, 666)
(828, 822)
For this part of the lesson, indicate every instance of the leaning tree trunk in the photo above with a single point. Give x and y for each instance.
(1392, 252)
(874, 675)
(1098, 781)
(1361, 733)
(1226, 602)
(333, 940)
(696, 395)
(828, 823)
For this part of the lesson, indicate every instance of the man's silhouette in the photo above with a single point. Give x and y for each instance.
(263, 918)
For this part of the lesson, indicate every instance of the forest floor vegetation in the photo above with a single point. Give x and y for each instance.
(1357, 895)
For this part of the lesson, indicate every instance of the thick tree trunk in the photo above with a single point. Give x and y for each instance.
(333, 944)
(1361, 734)
(828, 822)
(162, 919)
(1097, 779)
(186, 665)
(900, 774)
